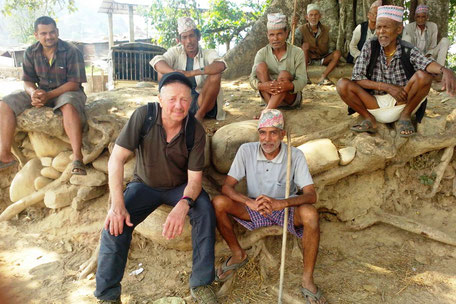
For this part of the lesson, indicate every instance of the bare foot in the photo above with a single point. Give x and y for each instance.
(231, 261)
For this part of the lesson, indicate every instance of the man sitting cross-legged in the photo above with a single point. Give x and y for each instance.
(391, 78)
(279, 69)
(264, 165)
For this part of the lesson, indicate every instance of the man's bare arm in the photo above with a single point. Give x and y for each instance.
(163, 67)
(66, 87)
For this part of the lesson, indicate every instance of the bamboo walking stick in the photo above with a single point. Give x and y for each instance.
(287, 186)
(285, 220)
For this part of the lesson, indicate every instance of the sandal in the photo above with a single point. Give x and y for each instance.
(224, 268)
(78, 168)
(325, 81)
(406, 128)
(315, 297)
(364, 126)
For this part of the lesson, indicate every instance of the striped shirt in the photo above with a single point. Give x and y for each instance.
(393, 73)
(67, 65)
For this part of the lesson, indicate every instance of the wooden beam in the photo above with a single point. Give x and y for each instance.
(110, 31)
(132, 25)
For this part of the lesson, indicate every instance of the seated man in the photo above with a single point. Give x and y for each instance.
(393, 86)
(423, 34)
(53, 73)
(279, 70)
(163, 146)
(363, 32)
(313, 38)
(203, 67)
(264, 165)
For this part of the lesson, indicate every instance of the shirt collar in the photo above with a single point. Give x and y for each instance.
(277, 160)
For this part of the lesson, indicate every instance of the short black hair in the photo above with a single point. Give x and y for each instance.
(46, 20)
(196, 31)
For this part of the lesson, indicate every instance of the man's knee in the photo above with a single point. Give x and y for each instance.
(261, 67)
(337, 54)
(308, 215)
(445, 43)
(214, 79)
(284, 75)
(423, 78)
(343, 86)
(221, 203)
(5, 108)
(203, 207)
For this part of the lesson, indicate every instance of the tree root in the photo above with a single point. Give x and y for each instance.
(35, 197)
(90, 265)
(440, 170)
(378, 216)
(18, 154)
(251, 238)
(106, 131)
(454, 187)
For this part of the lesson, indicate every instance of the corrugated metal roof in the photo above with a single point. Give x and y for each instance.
(114, 7)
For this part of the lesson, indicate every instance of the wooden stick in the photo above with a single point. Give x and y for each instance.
(285, 220)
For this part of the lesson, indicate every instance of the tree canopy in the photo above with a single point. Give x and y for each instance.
(223, 22)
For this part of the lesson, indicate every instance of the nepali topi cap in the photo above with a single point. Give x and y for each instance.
(271, 118)
(395, 13)
(422, 9)
(276, 21)
(313, 7)
(185, 24)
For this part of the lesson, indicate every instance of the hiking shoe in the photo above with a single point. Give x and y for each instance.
(109, 301)
(204, 294)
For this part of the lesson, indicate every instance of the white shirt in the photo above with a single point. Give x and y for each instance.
(268, 177)
(356, 38)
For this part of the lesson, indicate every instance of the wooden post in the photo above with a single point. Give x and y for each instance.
(110, 31)
(132, 25)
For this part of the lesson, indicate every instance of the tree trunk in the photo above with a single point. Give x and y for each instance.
(341, 15)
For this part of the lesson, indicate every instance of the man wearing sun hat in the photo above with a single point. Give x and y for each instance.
(168, 170)
(423, 34)
(313, 38)
(279, 71)
(203, 67)
(264, 165)
(391, 78)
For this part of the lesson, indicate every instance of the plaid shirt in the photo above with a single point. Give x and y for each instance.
(393, 73)
(67, 65)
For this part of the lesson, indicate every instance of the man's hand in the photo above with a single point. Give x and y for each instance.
(448, 81)
(268, 204)
(189, 74)
(175, 221)
(115, 220)
(252, 204)
(39, 98)
(397, 92)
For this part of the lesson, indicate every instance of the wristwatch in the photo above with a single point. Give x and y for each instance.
(190, 201)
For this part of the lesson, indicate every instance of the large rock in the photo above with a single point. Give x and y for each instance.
(23, 183)
(227, 140)
(60, 197)
(46, 161)
(45, 145)
(152, 228)
(61, 161)
(50, 172)
(92, 179)
(321, 155)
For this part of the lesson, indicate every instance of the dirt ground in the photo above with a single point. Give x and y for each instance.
(41, 250)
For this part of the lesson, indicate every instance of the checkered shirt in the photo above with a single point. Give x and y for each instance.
(392, 73)
(67, 65)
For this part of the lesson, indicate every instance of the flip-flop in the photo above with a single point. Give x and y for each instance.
(325, 81)
(308, 295)
(7, 165)
(78, 168)
(226, 268)
(406, 125)
(364, 126)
